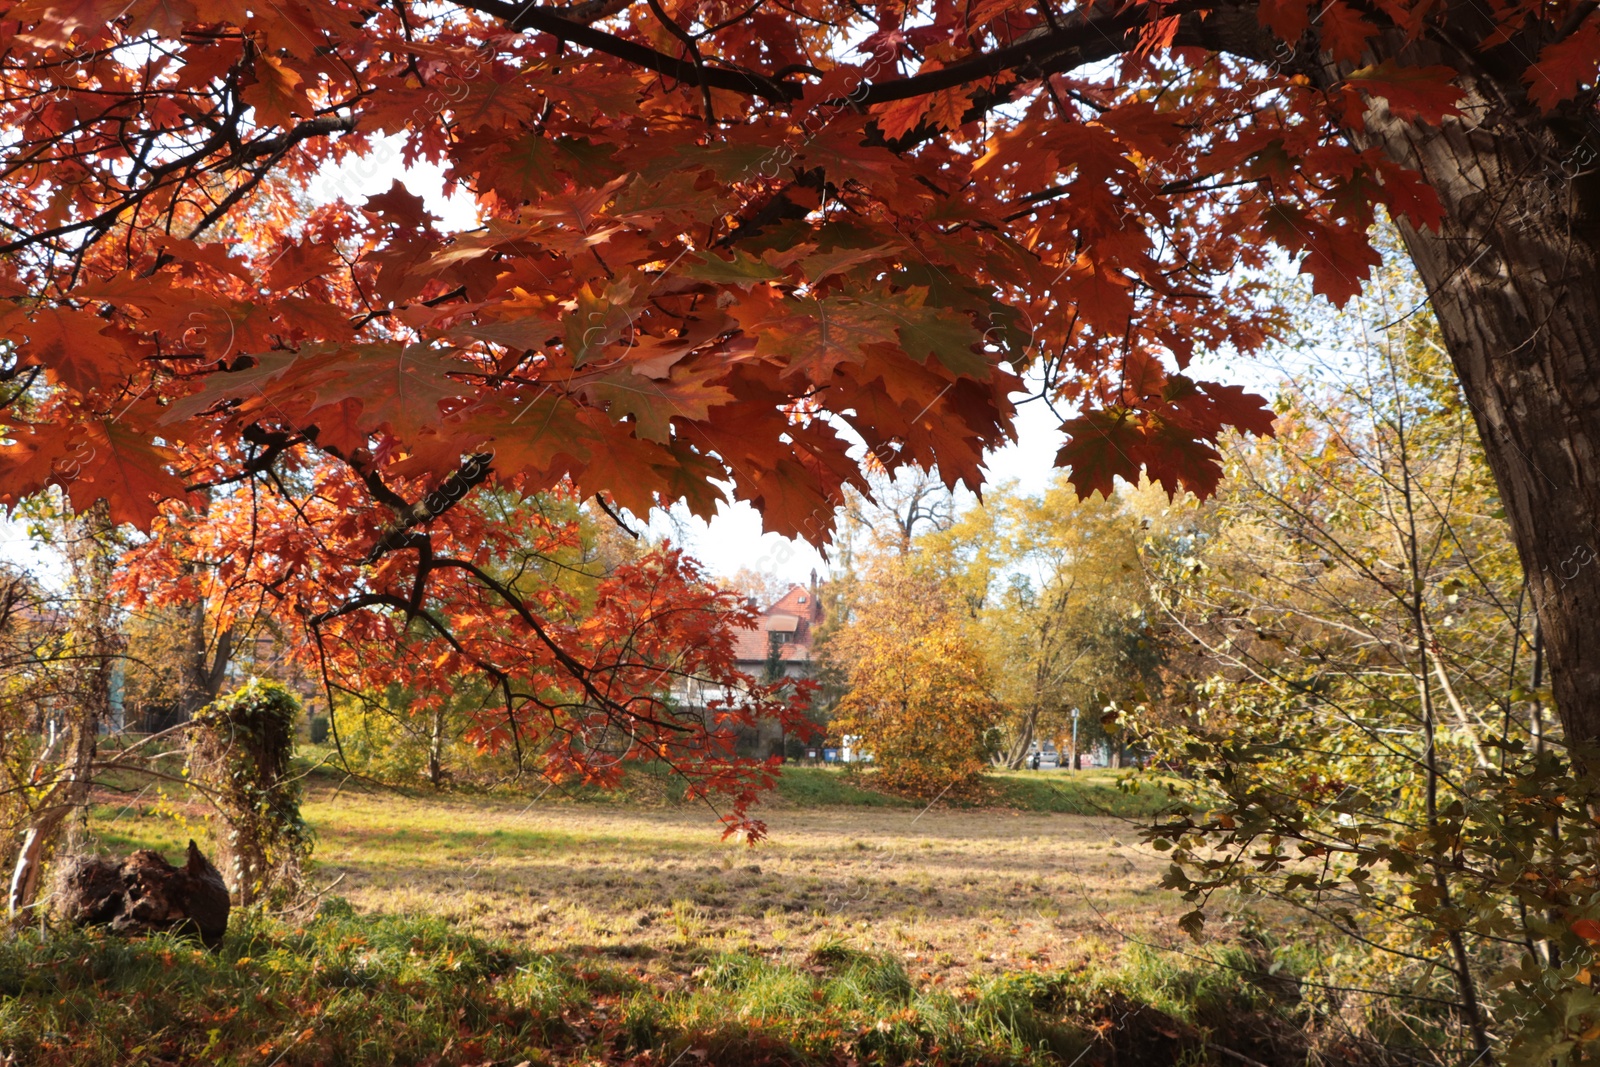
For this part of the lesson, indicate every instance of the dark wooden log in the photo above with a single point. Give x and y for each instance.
(144, 894)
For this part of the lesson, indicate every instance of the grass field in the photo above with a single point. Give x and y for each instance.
(951, 891)
(499, 931)
(378, 991)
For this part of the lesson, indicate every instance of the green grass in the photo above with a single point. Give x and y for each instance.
(357, 990)
(341, 989)
(1088, 792)
(825, 787)
(1056, 792)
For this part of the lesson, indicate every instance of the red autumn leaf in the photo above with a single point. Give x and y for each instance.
(1565, 66)
(1411, 198)
(982, 12)
(276, 92)
(900, 117)
(32, 460)
(1342, 31)
(933, 331)
(812, 336)
(53, 21)
(1142, 376)
(73, 345)
(654, 402)
(1288, 19)
(400, 387)
(120, 465)
(1101, 447)
(1179, 459)
(947, 110)
(300, 263)
(540, 438)
(1425, 93)
(1338, 257)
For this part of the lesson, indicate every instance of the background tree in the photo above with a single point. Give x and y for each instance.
(1047, 583)
(36, 656)
(919, 698)
(901, 505)
(522, 597)
(397, 723)
(76, 702)
(1362, 721)
(763, 586)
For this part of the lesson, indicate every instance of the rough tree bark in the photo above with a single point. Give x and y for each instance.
(145, 894)
(1514, 277)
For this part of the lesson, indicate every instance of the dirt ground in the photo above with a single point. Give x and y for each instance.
(953, 892)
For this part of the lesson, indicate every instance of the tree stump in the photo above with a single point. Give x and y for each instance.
(145, 894)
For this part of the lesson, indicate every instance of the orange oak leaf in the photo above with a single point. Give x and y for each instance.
(400, 387)
(73, 345)
(654, 402)
(120, 465)
(33, 458)
(276, 93)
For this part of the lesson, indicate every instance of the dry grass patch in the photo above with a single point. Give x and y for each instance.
(948, 891)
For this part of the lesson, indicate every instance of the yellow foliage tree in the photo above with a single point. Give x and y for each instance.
(920, 695)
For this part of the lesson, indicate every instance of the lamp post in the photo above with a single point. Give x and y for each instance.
(1074, 738)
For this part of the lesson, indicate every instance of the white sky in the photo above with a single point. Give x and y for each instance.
(735, 539)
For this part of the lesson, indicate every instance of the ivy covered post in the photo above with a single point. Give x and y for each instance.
(241, 749)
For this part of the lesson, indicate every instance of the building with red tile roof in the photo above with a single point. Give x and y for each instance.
(787, 628)
(784, 639)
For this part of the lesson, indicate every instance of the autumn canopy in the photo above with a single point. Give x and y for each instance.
(719, 244)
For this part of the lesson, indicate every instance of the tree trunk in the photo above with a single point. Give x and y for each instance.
(1018, 755)
(1514, 277)
(436, 740)
(204, 670)
(145, 894)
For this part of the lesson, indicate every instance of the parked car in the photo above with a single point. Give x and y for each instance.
(1044, 757)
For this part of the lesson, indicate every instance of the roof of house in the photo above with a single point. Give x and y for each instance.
(795, 614)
